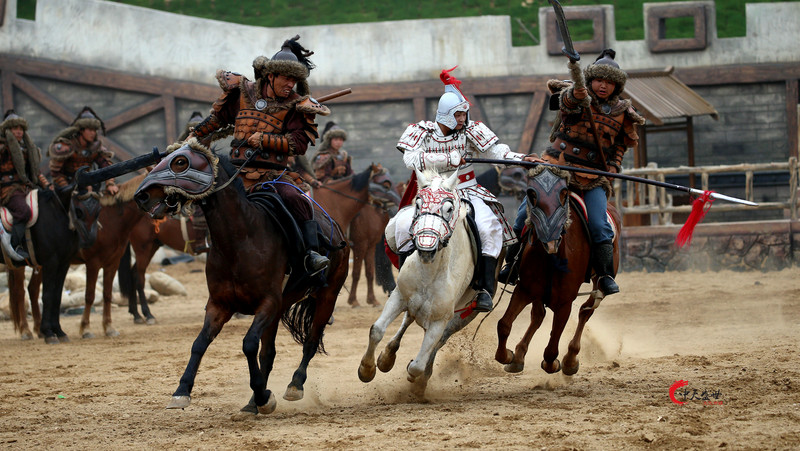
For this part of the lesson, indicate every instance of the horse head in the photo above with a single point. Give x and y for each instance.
(186, 174)
(513, 180)
(548, 205)
(436, 213)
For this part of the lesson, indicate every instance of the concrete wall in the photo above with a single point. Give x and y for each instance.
(149, 42)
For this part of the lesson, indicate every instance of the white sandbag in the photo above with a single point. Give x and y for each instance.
(166, 285)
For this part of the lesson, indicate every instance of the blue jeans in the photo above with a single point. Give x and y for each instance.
(596, 203)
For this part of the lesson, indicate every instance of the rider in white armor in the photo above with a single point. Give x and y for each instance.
(443, 145)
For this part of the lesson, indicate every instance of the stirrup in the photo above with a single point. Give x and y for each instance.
(483, 303)
(315, 263)
(607, 285)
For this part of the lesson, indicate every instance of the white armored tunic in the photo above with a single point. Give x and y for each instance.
(424, 146)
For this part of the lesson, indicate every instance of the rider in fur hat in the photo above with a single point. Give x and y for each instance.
(272, 119)
(574, 143)
(19, 174)
(79, 145)
(331, 161)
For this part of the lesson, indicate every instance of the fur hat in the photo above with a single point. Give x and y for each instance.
(11, 119)
(87, 118)
(606, 68)
(331, 131)
(290, 61)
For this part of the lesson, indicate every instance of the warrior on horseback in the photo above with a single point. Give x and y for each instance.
(593, 129)
(443, 145)
(19, 174)
(271, 123)
(331, 161)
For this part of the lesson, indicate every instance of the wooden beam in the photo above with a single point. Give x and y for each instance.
(419, 109)
(50, 103)
(171, 118)
(120, 152)
(6, 78)
(134, 113)
(476, 112)
(2, 12)
(792, 99)
(738, 73)
(532, 122)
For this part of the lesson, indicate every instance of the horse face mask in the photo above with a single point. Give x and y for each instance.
(436, 213)
(186, 174)
(548, 208)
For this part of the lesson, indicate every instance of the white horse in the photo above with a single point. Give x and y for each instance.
(433, 282)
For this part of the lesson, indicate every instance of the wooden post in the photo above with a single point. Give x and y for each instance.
(690, 141)
(792, 113)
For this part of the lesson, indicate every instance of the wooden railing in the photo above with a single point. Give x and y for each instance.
(655, 201)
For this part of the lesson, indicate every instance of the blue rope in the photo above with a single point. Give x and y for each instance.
(330, 220)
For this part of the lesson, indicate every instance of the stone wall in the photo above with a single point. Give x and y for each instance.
(741, 246)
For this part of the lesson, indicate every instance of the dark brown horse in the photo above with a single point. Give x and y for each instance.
(366, 232)
(146, 238)
(555, 262)
(252, 268)
(16, 300)
(343, 198)
(118, 215)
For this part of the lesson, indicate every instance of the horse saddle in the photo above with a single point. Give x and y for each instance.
(580, 206)
(32, 200)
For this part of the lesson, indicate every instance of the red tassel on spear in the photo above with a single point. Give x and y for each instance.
(700, 207)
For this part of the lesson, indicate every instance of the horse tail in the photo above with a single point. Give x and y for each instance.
(298, 320)
(383, 269)
(127, 285)
(13, 306)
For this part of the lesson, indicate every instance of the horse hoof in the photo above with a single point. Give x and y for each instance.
(63, 339)
(330, 321)
(26, 336)
(51, 340)
(270, 406)
(87, 335)
(293, 393)
(111, 332)
(179, 402)
(151, 321)
(365, 373)
(504, 357)
(514, 367)
(551, 368)
(386, 361)
(570, 370)
(138, 320)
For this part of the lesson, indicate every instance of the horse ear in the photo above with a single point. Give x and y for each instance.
(421, 180)
(451, 182)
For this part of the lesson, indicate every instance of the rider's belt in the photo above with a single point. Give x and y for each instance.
(579, 154)
(466, 177)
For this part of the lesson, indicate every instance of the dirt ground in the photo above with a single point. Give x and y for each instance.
(732, 336)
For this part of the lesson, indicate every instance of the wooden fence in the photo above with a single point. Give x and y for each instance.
(640, 199)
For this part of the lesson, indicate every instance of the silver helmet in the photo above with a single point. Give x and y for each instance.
(451, 101)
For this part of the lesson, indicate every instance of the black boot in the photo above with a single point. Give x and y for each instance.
(603, 256)
(510, 272)
(314, 262)
(18, 240)
(485, 284)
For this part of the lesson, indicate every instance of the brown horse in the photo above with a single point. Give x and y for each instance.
(118, 215)
(366, 231)
(343, 198)
(252, 268)
(146, 238)
(551, 273)
(16, 300)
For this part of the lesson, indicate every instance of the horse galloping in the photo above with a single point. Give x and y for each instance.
(249, 270)
(552, 271)
(434, 281)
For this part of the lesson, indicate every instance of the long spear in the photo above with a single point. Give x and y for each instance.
(530, 164)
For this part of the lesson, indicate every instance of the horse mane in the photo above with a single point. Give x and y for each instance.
(229, 169)
(361, 180)
(126, 192)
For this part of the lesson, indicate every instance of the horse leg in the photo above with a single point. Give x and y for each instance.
(355, 275)
(432, 336)
(517, 363)
(264, 399)
(149, 319)
(91, 283)
(34, 286)
(51, 300)
(571, 363)
(454, 325)
(369, 272)
(560, 316)
(266, 358)
(394, 306)
(16, 302)
(503, 354)
(389, 354)
(212, 325)
(108, 288)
